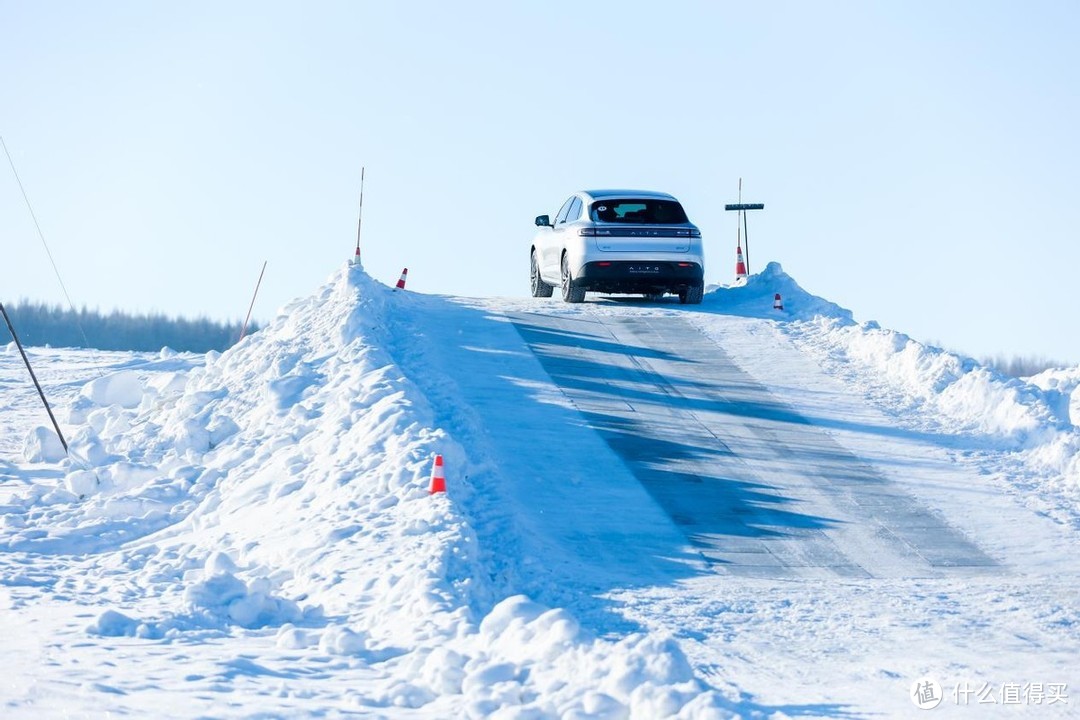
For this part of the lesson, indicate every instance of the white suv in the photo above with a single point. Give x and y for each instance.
(618, 241)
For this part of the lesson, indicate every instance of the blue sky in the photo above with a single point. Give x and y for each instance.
(919, 161)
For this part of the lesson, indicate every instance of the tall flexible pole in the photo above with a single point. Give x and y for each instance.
(360, 216)
(746, 230)
(746, 239)
(41, 235)
(738, 216)
(33, 377)
(252, 306)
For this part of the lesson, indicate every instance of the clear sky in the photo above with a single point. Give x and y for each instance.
(919, 161)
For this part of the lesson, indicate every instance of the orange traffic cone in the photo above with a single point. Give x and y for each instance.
(740, 265)
(401, 281)
(356, 259)
(438, 477)
(777, 303)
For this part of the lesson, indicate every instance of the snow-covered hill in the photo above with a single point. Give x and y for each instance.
(251, 533)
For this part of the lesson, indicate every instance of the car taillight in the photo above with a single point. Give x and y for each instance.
(693, 232)
(594, 232)
(686, 264)
(603, 264)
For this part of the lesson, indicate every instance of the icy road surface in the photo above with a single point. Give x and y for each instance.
(760, 489)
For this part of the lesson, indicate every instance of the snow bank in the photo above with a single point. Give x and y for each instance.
(1037, 416)
(1061, 389)
(978, 398)
(280, 489)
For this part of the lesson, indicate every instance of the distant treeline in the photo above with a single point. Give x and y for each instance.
(1021, 366)
(38, 325)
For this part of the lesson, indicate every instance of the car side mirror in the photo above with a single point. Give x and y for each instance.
(543, 221)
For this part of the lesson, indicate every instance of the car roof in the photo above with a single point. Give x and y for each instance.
(598, 194)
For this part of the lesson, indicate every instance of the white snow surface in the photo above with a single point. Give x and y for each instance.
(250, 534)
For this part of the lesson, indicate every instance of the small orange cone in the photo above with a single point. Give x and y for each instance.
(777, 303)
(356, 259)
(740, 265)
(438, 477)
(401, 281)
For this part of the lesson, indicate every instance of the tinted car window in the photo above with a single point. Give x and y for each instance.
(644, 211)
(565, 208)
(575, 211)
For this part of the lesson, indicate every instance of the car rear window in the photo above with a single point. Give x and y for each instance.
(633, 210)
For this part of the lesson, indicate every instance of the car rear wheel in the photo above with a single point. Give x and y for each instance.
(692, 295)
(536, 283)
(570, 293)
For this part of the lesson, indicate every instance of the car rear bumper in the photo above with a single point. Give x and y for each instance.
(639, 276)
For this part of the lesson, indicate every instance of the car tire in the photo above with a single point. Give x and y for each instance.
(536, 283)
(570, 293)
(692, 295)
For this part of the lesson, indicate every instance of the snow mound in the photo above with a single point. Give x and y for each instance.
(113, 624)
(756, 298)
(223, 596)
(281, 489)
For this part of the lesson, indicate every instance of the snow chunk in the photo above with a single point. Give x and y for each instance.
(220, 563)
(223, 596)
(127, 475)
(339, 640)
(81, 482)
(170, 383)
(291, 637)
(221, 429)
(517, 610)
(122, 388)
(113, 624)
(43, 445)
(444, 671)
(87, 446)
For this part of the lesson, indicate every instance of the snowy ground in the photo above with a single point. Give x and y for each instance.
(251, 534)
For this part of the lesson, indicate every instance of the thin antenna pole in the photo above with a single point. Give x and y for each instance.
(251, 307)
(746, 231)
(41, 235)
(41, 393)
(746, 236)
(738, 228)
(360, 217)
